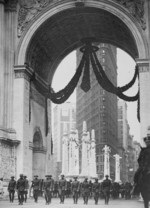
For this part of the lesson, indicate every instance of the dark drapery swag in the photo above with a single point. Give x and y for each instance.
(90, 61)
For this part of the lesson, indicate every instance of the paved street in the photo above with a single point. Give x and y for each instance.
(69, 204)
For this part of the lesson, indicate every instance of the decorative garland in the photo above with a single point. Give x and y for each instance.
(89, 59)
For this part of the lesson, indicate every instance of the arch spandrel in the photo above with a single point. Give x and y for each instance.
(53, 35)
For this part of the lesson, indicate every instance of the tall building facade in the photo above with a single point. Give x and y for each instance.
(64, 118)
(99, 108)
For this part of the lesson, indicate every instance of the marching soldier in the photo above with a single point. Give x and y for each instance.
(62, 184)
(26, 189)
(48, 186)
(85, 190)
(21, 186)
(96, 190)
(75, 187)
(11, 188)
(36, 186)
(106, 186)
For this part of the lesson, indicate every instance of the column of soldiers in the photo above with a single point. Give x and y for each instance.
(51, 188)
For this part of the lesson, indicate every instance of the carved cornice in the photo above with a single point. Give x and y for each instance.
(143, 65)
(29, 9)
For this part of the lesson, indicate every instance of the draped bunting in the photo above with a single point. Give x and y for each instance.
(90, 61)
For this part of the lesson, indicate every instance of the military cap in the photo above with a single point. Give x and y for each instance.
(36, 176)
(75, 176)
(21, 175)
(12, 176)
(106, 176)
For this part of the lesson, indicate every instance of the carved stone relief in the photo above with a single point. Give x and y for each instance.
(136, 8)
(29, 9)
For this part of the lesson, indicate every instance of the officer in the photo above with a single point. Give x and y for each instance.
(144, 164)
(36, 186)
(85, 190)
(48, 186)
(75, 187)
(96, 190)
(27, 187)
(11, 188)
(21, 186)
(106, 186)
(62, 186)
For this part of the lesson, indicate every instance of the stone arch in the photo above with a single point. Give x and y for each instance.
(111, 7)
(39, 154)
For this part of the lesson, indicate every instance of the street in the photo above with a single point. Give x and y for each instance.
(117, 203)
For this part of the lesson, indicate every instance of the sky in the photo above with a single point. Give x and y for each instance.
(125, 65)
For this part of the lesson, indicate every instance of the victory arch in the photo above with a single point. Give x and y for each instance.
(34, 37)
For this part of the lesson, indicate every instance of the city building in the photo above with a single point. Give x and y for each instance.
(99, 108)
(64, 118)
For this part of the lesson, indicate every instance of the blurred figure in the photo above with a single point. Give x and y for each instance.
(96, 190)
(75, 187)
(48, 186)
(106, 187)
(11, 188)
(85, 190)
(36, 186)
(21, 186)
(62, 186)
(26, 189)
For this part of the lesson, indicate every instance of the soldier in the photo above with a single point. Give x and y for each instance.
(85, 190)
(11, 188)
(36, 186)
(21, 186)
(96, 190)
(144, 164)
(75, 187)
(62, 185)
(26, 190)
(48, 186)
(106, 186)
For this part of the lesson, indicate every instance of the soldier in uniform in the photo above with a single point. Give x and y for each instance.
(36, 186)
(144, 164)
(96, 190)
(75, 187)
(11, 188)
(62, 185)
(106, 186)
(26, 190)
(48, 186)
(85, 190)
(21, 186)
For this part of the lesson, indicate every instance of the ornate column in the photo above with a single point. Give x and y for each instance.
(76, 152)
(84, 165)
(10, 40)
(65, 153)
(71, 152)
(93, 173)
(106, 150)
(117, 168)
(2, 63)
(144, 80)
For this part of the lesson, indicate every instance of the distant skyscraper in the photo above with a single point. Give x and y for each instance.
(64, 117)
(99, 108)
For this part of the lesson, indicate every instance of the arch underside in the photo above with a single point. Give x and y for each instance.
(63, 32)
